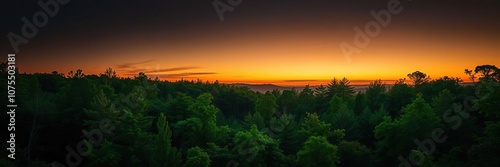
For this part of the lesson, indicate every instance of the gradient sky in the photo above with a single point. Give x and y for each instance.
(292, 42)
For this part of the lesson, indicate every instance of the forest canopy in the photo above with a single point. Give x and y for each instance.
(76, 119)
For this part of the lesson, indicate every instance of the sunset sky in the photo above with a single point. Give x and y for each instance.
(293, 42)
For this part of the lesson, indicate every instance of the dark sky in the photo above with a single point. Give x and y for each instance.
(106, 31)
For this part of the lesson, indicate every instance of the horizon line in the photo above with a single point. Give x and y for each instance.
(282, 83)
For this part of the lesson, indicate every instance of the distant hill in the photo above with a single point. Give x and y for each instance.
(263, 87)
(269, 87)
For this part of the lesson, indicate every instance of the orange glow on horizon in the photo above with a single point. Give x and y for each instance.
(296, 56)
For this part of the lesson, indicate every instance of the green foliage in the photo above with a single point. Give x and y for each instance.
(377, 117)
(219, 156)
(454, 158)
(105, 155)
(443, 102)
(340, 88)
(266, 106)
(450, 83)
(6, 162)
(417, 122)
(188, 130)
(285, 130)
(203, 108)
(312, 126)
(344, 118)
(163, 153)
(484, 153)
(317, 151)
(100, 107)
(196, 157)
(255, 119)
(420, 158)
(307, 101)
(201, 128)
(335, 104)
(489, 97)
(360, 102)
(321, 93)
(209, 127)
(288, 100)
(253, 148)
(353, 153)
(400, 95)
(366, 127)
(178, 107)
(136, 100)
(376, 95)
(235, 101)
(131, 138)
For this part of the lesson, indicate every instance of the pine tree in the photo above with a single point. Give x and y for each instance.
(164, 154)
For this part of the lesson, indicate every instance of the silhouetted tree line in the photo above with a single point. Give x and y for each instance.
(105, 120)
